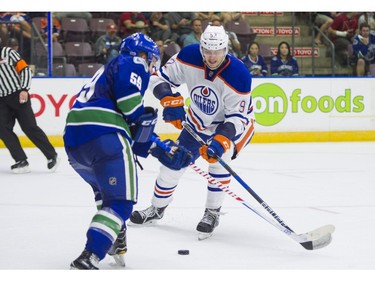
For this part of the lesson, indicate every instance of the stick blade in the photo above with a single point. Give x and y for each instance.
(318, 238)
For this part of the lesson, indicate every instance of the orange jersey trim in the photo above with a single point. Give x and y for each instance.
(226, 182)
(194, 120)
(217, 75)
(246, 138)
(159, 191)
(189, 64)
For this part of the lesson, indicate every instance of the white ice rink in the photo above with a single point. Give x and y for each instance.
(44, 216)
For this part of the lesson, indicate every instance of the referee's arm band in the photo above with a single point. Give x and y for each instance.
(21, 65)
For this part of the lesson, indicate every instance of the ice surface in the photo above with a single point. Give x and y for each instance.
(44, 216)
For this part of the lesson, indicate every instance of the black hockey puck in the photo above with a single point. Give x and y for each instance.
(183, 252)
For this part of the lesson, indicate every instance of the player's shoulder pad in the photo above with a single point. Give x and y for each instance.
(237, 76)
(191, 55)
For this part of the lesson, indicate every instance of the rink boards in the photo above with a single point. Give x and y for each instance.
(285, 109)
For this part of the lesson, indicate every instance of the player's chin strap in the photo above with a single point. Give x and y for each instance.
(316, 239)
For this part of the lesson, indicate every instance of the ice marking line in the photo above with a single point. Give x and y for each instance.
(323, 210)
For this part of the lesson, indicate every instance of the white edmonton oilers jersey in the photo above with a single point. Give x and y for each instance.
(217, 96)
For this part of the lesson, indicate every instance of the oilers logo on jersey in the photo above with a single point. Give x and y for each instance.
(205, 99)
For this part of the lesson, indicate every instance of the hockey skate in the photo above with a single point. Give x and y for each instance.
(208, 223)
(86, 260)
(148, 215)
(119, 248)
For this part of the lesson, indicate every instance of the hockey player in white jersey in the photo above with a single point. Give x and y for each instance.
(220, 112)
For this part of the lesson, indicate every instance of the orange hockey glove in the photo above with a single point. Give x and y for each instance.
(174, 111)
(216, 148)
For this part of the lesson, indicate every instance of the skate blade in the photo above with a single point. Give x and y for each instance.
(54, 168)
(204, 235)
(23, 170)
(130, 223)
(119, 259)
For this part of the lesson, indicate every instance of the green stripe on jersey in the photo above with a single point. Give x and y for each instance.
(97, 116)
(131, 174)
(128, 105)
(130, 170)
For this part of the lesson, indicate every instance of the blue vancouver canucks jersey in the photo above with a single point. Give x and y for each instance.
(110, 102)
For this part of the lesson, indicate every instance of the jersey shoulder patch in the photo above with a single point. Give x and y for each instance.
(191, 55)
(237, 76)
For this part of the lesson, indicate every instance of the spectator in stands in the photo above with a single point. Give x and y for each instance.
(233, 16)
(368, 17)
(254, 62)
(106, 46)
(159, 27)
(56, 29)
(284, 63)
(194, 37)
(140, 26)
(341, 32)
(19, 24)
(3, 32)
(73, 15)
(234, 45)
(181, 24)
(131, 22)
(163, 56)
(209, 16)
(323, 20)
(364, 49)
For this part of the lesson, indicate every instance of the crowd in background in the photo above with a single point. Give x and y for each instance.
(350, 32)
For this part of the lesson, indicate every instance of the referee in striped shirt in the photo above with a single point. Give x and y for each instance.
(15, 80)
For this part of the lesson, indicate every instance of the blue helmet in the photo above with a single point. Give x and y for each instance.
(139, 42)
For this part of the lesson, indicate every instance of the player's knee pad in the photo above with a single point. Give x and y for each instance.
(217, 168)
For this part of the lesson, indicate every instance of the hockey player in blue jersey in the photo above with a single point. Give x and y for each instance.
(105, 128)
(220, 112)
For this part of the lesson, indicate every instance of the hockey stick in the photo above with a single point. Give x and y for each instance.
(316, 239)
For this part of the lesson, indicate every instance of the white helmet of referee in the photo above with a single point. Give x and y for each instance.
(214, 38)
